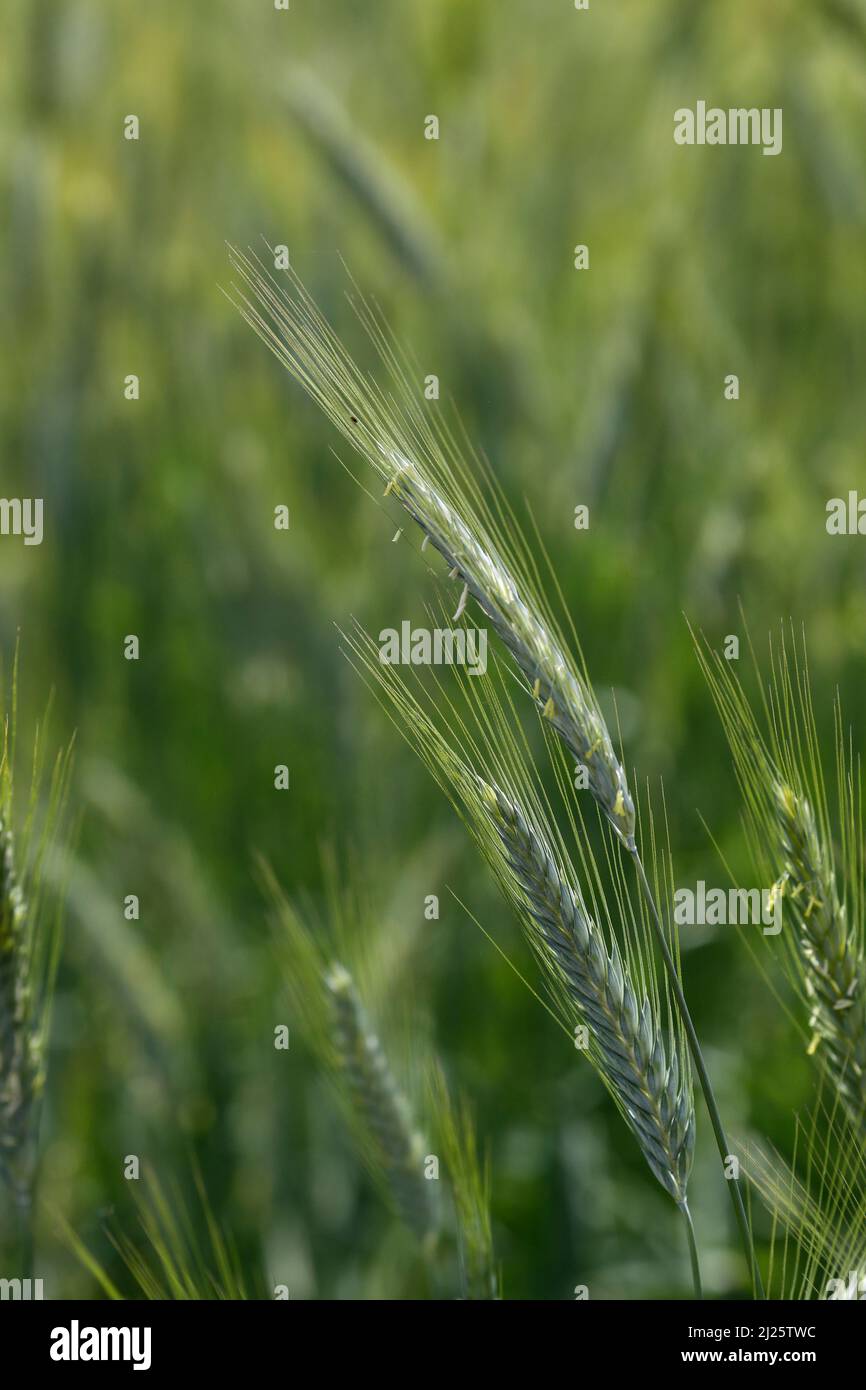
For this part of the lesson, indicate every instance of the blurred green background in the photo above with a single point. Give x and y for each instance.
(603, 386)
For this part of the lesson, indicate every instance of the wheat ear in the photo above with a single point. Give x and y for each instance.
(380, 1107)
(327, 1003)
(834, 970)
(29, 950)
(588, 979)
(421, 467)
(560, 692)
(627, 1045)
(20, 1045)
(782, 781)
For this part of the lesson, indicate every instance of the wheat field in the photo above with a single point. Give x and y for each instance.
(337, 330)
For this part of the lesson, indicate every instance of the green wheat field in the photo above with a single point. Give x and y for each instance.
(283, 1015)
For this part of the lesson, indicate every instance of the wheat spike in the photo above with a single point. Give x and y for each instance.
(627, 1046)
(559, 691)
(422, 467)
(589, 980)
(782, 781)
(834, 970)
(29, 946)
(20, 1048)
(380, 1106)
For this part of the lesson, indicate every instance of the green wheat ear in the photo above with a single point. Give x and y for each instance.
(477, 753)
(30, 922)
(19, 1050)
(432, 474)
(817, 866)
(628, 1046)
(326, 999)
(381, 1108)
(834, 972)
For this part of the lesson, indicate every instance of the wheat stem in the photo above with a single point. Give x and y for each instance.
(693, 1250)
